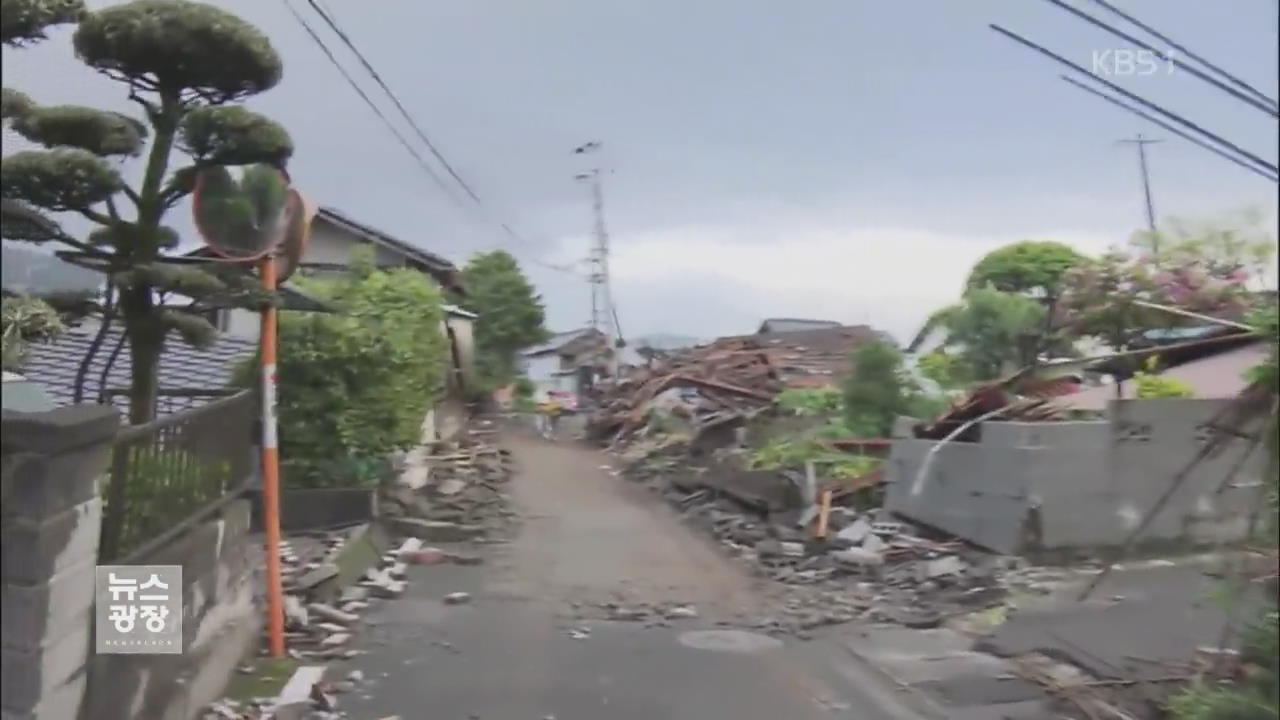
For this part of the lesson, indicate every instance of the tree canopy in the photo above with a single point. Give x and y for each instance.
(180, 62)
(990, 332)
(1025, 267)
(511, 314)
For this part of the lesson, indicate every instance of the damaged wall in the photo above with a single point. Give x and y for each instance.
(221, 619)
(1029, 488)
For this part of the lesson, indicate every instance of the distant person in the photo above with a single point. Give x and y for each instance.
(549, 410)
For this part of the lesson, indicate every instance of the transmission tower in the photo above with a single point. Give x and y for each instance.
(602, 310)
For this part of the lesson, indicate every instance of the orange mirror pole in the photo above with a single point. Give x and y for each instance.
(271, 465)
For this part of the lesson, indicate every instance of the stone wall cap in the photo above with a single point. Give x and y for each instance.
(56, 430)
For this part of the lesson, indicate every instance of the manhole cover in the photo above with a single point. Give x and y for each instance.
(739, 641)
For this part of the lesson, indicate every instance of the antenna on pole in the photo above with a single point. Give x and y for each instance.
(603, 314)
(1142, 143)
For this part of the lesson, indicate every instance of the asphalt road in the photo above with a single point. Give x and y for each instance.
(529, 647)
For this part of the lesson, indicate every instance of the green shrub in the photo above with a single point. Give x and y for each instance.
(355, 385)
(810, 402)
(1152, 385)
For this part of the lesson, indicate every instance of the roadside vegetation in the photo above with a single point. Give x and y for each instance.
(355, 385)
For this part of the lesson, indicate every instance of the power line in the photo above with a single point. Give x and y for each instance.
(378, 79)
(1170, 127)
(426, 167)
(1183, 49)
(1267, 108)
(1146, 103)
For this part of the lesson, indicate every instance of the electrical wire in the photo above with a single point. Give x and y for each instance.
(1142, 101)
(333, 25)
(1170, 127)
(1183, 49)
(426, 167)
(1268, 106)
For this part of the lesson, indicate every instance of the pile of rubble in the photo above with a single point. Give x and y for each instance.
(869, 565)
(726, 380)
(317, 631)
(453, 491)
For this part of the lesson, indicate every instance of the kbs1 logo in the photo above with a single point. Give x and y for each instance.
(1126, 62)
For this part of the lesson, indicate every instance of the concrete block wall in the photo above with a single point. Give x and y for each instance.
(1153, 440)
(1030, 488)
(221, 622)
(50, 475)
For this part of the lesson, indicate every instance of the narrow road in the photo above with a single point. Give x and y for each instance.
(529, 647)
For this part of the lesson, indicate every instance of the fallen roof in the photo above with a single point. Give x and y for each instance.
(53, 365)
(1217, 376)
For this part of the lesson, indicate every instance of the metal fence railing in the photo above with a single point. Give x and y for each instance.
(168, 473)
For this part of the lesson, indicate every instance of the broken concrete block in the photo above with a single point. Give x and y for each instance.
(398, 571)
(791, 549)
(333, 614)
(295, 615)
(409, 545)
(435, 530)
(317, 575)
(886, 529)
(457, 598)
(353, 594)
(943, 566)
(335, 639)
(858, 556)
(330, 627)
(451, 486)
(873, 543)
(465, 559)
(856, 532)
(682, 612)
(389, 589)
(355, 606)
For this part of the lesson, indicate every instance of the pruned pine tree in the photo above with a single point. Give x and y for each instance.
(184, 64)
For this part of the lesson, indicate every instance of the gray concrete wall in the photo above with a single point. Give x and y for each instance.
(221, 621)
(50, 468)
(1050, 487)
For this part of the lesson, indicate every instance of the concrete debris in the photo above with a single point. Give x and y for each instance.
(681, 612)
(296, 616)
(338, 638)
(457, 598)
(459, 497)
(317, 575)
(855, 532)
(328, 612)
(870, 567)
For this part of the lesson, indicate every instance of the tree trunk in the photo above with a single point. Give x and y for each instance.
(146, 341)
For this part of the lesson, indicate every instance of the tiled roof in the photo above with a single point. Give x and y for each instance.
(53, 365)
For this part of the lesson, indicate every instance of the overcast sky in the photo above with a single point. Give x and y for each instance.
(842, 159)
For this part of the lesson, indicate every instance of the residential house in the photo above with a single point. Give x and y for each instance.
(810, 353)
(782, 325)
(334, 238)
(185, 369)
(568, 361)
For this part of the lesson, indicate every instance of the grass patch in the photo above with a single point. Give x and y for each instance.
(266, 681)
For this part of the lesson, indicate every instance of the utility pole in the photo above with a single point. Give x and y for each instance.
(1142, 143)
(603, 314)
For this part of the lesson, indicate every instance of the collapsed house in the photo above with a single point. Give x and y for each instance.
(724, 382)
